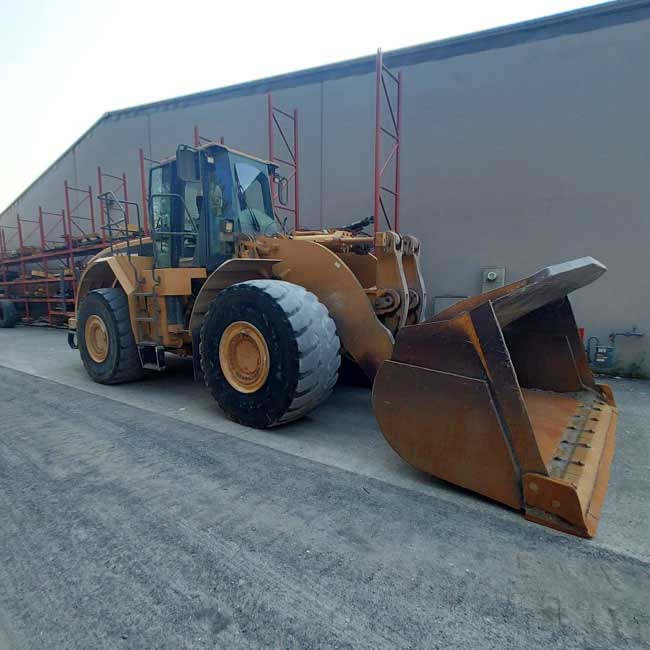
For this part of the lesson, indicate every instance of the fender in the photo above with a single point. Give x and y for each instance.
(111, 272)
(108, 270)
(97, 275)
(321, 271)
(230, 272)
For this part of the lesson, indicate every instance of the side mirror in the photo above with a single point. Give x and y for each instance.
(187, 164)
(283, 189)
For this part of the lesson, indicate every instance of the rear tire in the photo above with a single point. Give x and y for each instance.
(301, 351)
(107, 310)
(8, 314)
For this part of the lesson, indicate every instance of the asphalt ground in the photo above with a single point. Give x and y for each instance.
(137, 516)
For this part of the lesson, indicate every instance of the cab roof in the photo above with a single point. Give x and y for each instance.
(219, 145)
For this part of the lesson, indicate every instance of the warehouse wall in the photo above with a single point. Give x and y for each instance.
(527, 156)
(518, 157)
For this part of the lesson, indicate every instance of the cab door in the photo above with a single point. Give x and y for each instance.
(219, 216)
(174, 217)
(160, 214)
(204, 182)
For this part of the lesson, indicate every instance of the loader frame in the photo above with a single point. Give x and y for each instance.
(369, 296)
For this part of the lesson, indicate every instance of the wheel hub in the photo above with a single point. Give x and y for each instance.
(96, 337)
(244, 357)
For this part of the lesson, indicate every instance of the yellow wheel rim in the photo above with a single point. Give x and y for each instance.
(244, 357)
(96, 338)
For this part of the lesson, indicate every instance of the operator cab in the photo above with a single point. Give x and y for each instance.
(203, 200)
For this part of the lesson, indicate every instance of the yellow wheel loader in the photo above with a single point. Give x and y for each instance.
(494, 394)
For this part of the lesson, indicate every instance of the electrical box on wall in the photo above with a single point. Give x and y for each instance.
(604, 357)
(492, 277)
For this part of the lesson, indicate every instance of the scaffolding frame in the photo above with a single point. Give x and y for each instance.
(71, 212)
(200, 140)
(394, 108)
(29, 274)
(121, 188)
(31, 259)
(144, 195)
(278, 121)
(65, 245)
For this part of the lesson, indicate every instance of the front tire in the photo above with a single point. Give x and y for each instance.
(105, 338)
(269, 352)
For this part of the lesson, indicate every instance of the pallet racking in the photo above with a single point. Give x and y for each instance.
(41, 258)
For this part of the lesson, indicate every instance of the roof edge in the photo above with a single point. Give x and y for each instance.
(451, 47)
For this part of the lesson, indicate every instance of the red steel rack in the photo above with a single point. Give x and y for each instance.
(388, 95)
(199, 139)
(41, 280)
(41, 258)
(285, 125)
(282, 126)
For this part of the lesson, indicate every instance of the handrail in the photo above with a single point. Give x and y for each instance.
(182, 200)
(111, 200)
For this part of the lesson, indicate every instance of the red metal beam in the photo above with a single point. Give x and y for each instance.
(296, 181)
(144, 198)
(102, 215)
(198, 138)
(377, 188)
(23, 270)
(41, 228)
(45, 264)
(292, 145)
(91, 208)
(67, 210)
(20, 231)
(269, 103)
(382, 164)
(126, 203)
(399, 148)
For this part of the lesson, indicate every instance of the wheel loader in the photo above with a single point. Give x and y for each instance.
(494, 394)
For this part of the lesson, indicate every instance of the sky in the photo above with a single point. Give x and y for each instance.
(64, 63)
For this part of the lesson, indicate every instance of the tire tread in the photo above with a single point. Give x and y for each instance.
(129, 367)
(314, 333)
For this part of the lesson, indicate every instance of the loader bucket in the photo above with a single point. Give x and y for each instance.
(495, 394)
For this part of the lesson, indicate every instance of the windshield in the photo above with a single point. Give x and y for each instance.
(254, 197)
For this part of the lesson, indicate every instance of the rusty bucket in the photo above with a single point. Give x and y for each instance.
(495, 394)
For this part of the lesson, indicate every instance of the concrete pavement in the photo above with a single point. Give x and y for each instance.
(138, 515)
(343, 433)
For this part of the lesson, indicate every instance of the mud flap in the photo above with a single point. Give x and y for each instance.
(495, 394)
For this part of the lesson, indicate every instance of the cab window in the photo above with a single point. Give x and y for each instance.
(253, 197)
(160, 214)
(219, 201)
(190, 222)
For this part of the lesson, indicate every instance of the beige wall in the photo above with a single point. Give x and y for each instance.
(518, 157)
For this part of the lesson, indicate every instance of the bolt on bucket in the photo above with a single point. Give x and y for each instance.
(495, 394)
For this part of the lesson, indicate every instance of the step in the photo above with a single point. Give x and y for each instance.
(152, 355)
